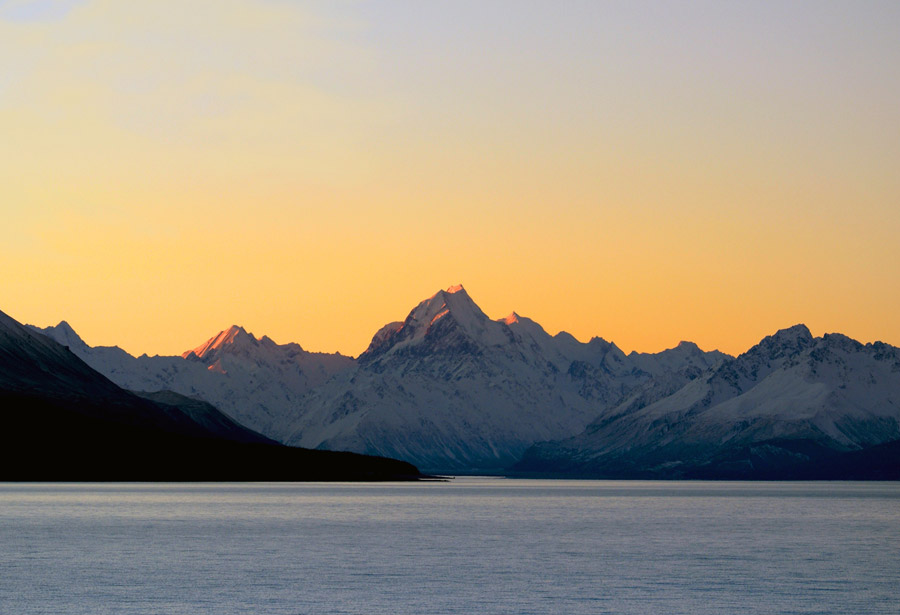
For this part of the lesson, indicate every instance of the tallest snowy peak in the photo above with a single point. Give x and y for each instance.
(455, 300)
(447, 314)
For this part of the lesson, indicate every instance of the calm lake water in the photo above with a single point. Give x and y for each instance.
(473, 545)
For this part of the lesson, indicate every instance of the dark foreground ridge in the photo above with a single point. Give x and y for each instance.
(62, 421)
(45, 440)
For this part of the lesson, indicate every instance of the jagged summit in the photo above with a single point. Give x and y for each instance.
(799, 331)
(446, 314)
(511, 319)
(65, 326)
(524, 326)
(455, 294)
(790, 404)
(234, 336)
(63, 334)
(599, 342)
(454, 301)
(442, 294)
(785, 342)
(254, 380)
(453, 389)
(682, 347)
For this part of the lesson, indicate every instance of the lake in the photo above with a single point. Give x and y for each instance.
(472, 545)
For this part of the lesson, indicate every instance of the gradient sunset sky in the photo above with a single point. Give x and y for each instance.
(642, 171)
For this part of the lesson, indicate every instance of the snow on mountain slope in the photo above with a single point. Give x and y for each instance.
(36, 371)
(448, 320)
(831, 391)
(234, 339)
(446, 388)
(256, 382)
(452, 390)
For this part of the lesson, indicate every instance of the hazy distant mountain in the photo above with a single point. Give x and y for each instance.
(789, 406)
(64, 421)
(255, 381)
(449, 389)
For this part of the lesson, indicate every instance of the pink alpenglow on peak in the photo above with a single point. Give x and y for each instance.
(456, 289)
(232, 335)
(438, 316)
(511, 319)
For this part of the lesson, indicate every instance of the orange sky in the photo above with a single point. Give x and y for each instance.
(312, 171)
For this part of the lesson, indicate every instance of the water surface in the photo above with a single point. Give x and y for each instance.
(469, 546)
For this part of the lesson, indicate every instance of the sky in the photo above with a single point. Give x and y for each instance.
(646, 172)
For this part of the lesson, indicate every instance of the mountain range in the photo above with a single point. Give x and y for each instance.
(255, 381)
(459, 392)
(793, 406)
(451, 390)
(62, 420)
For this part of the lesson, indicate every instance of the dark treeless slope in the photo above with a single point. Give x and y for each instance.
(61, 420)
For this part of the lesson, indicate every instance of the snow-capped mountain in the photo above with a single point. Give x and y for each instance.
(255, 381)
(449, 389)
(790, 401)
(50, 395)
(452, 390)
